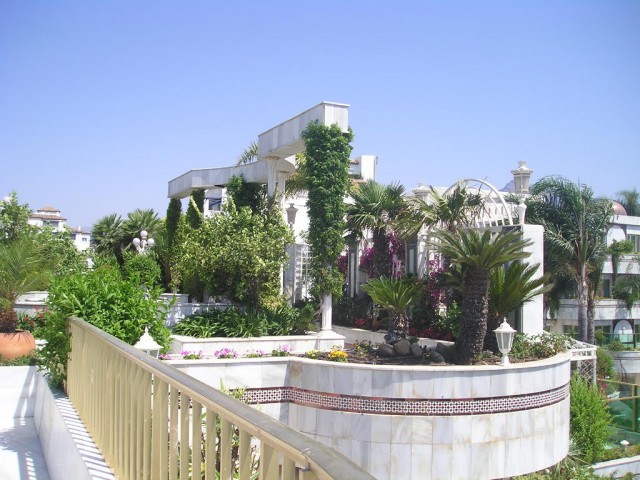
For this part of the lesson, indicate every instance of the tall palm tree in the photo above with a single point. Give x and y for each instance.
(509, 288)
(477, 254)
(375, 207)
(575, 225)
(107, 234)
(630, 200)
(396, 296)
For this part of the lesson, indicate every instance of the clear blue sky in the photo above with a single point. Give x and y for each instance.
(103, 102)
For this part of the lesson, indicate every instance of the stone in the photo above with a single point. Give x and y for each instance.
(416, 350)
(435, 356)
(446, 351)
(402, 347)
(386, 350)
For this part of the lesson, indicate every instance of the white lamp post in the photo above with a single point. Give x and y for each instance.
(521, 178)
(148, 344)
(504, 336)
(143, 244)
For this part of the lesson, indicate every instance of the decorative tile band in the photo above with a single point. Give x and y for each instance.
(405, 406)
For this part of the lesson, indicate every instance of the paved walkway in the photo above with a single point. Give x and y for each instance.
(21, 455)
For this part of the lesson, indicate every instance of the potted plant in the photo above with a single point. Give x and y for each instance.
(23, 267)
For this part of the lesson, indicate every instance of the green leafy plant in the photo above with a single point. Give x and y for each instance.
(327, 150)
(537, 347)
(396, 296)
(604, 364)
(104, 299)
(281, 351)
(617, 346)
(238, 254)
(144, 268)
(53, 356)
(589, 419)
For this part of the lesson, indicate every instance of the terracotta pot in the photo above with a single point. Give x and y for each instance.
(16, 344)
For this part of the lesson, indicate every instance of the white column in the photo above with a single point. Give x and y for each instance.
(533, 311)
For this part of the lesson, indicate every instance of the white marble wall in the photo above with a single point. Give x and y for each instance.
(297, 343)
(475, 447)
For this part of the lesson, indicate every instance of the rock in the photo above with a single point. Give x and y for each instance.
(445, 351)
(392, 337)
(435, 356)
(416, 350)
(386, 350)
(402, 347)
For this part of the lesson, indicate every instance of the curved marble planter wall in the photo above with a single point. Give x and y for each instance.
(459, 423)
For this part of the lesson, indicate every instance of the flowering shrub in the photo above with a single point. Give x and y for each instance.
(254, 354)
(337, 355)
(281, 351)
(226, 353)
(360, 322)
(343, 264)
(315, 354)
(164, 356)
(187, 355)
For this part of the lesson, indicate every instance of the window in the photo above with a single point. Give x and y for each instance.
(635, 240)
(571, 330)
(606, 288)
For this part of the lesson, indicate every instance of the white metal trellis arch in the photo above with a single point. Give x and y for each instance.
(496, 211)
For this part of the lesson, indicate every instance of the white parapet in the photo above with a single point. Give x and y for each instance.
(285, 140)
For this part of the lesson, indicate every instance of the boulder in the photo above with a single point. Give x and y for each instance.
(386, 350)
(416, 350)
(402, 347)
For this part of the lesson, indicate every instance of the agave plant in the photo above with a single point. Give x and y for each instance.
(396, 296)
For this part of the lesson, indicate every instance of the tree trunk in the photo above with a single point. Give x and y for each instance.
(490, 340)
(583, 303)
(473, 318)
(381, 260)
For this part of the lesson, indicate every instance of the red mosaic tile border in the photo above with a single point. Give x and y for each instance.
(405, 406)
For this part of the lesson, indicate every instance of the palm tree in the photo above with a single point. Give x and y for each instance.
(509, 288)
(630, 200)
(396, 296)
(455, 210)
(477, 255)
(575, 225)
(107, 234)
(249, 154)
(139, 220)
(375, 207)
(616, 250)
(24, 266)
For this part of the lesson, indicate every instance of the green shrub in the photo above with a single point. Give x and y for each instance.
(104, 299)
(589, 419)
(539, 346)
(143, 268)
(617, 346)
(53, 356)
(235, 322)
(604, 364)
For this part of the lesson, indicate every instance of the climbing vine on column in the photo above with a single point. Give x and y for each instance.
(327, 150)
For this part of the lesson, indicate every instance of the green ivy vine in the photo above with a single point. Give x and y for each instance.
(327, 150)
